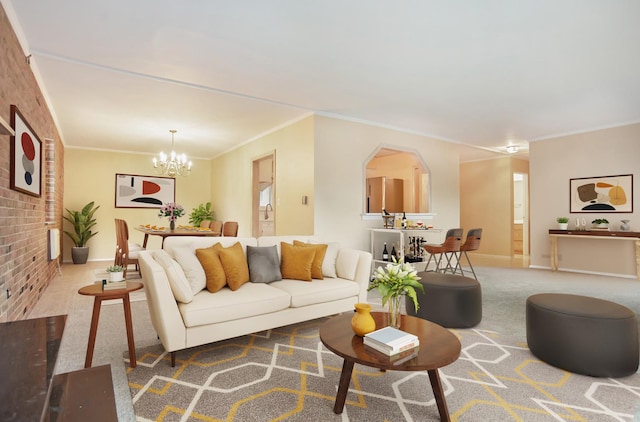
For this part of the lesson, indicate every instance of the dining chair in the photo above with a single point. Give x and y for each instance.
(216, 228)
(205, 224)
(230, 229)
(126, 251)
(446, 250)
(472, 243)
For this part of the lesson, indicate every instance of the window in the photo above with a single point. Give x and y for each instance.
(397, 181)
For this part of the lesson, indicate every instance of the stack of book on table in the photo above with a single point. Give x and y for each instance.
(114, 285)
(392, 342)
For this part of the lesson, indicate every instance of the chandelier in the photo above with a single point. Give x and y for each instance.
(174, 164)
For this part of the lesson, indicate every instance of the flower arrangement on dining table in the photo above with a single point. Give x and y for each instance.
(393, 281)
(173, 211)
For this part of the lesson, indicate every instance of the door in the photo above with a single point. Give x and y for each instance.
(264, 211)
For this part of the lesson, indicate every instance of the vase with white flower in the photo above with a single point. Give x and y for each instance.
(393, 281)
(173, 211)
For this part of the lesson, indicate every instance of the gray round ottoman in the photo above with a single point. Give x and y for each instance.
(452, 301)
(583, 334)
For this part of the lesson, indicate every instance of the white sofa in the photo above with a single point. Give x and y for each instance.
(210, 317)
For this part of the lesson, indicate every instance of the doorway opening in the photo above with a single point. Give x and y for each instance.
(520, 242)
(263, 207)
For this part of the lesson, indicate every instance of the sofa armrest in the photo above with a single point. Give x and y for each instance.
(163, 308)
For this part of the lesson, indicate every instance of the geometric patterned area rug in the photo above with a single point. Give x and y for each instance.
(287, 374)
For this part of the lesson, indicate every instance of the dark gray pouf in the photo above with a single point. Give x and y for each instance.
(583, 334)
(452, 301)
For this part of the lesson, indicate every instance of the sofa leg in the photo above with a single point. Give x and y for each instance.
(173, 359)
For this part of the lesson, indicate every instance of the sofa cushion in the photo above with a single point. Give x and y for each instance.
(235, 265)
(330, 256)
(214, 272)
(347, 263)
(264, 264)
(317, 291)
(179, 284)
(316, 266)
(296, 261)
(249, 300)
(192, 268)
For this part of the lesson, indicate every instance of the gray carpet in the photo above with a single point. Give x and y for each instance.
(504, 295)
(287, 374)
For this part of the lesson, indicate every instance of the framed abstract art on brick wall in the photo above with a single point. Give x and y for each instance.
(602, 194)
(26, 156)
(134, 191)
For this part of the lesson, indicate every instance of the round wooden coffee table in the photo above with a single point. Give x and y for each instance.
(100, 295)
(438, 348)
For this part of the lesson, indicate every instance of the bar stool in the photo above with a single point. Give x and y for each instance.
(447, 249)
(472, 243)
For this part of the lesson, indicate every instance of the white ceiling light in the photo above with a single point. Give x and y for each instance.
(512, 149)
(175, 164)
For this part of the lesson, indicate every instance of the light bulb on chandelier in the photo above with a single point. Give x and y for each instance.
(174, 164)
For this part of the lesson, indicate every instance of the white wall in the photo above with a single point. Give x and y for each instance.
(552, 163)
(341, 150)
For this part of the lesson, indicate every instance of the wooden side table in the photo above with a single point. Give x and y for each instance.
(100, 295)
(438, 347)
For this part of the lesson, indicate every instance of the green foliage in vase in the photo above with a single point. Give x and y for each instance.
(600, 221)
(397, 279)
(562, 220)
(115, 269)
(201, 213)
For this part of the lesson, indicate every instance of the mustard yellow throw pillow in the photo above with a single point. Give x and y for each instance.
(235, 265)
(296, 261)
(316, 266)
(213, 270)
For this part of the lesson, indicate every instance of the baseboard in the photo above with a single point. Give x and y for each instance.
(571, 270)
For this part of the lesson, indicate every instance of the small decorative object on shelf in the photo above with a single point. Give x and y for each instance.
(600, 224)
(563, 223)
(624, 226)
(173, 211)
(395, 280)
(362, 322)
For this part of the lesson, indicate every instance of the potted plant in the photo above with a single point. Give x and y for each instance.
(82, 221)
(600, 223)
(563, 223)
(393, 281)
(116, 273)
(202, 213)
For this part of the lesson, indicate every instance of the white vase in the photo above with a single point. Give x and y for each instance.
(563, 226)
(119, 276)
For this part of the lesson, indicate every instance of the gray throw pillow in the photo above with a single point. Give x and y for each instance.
(264, 264)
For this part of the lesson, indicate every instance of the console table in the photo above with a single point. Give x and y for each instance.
(554, 235)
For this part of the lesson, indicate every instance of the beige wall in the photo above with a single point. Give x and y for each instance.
(231, 180)
(341, 151)
(90, 176)
(553, 162)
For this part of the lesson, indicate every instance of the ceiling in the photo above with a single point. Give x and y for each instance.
(120, 74)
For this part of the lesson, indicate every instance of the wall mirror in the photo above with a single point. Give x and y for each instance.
(398, 181)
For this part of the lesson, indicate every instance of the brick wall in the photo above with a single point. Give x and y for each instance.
(25, 270)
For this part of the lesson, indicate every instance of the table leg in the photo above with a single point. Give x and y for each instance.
(95, 317)
(434, 377)
(127, 318)
(343, 387)
(553, 252)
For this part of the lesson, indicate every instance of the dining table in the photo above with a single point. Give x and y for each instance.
(165, 232)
